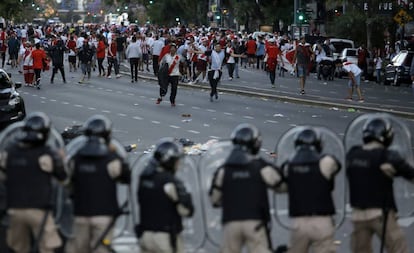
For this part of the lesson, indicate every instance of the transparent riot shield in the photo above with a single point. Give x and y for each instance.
(193, 233)
(212, 160)
(331, 145)
(403, 190)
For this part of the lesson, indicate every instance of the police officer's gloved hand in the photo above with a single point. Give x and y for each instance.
(184, 198)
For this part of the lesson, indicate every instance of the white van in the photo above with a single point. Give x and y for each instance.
(340, 45)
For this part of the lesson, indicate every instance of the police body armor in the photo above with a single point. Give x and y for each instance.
(304, 168)
(380, 190)
(322, 198)
(46, 194)
(244, 191)
(192, 228)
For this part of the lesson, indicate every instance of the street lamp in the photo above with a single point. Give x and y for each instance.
(126, 7)
(177, 19)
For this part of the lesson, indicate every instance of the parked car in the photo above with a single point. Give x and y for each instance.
(398, 70)
(340, 45)
(12, 107)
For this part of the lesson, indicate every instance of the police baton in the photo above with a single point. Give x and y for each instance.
(102, 240)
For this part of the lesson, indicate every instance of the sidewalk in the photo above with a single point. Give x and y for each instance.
(255, 83)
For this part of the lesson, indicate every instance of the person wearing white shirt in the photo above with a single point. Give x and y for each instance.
(156, 51)
(214, 73)
(354, 73)
(133, 53)
(173, 60)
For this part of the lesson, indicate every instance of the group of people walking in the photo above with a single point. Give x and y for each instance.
(95, 162)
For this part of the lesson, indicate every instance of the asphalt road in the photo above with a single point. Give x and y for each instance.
(137, 119)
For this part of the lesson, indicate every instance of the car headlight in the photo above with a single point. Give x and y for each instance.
(14, 101)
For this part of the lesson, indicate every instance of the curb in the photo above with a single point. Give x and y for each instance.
(285, 98)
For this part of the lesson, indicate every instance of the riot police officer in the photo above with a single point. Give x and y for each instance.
(96, 163)
(163, 200)
(240, 188)
(370, 170)
(30, 163)
(309, 176)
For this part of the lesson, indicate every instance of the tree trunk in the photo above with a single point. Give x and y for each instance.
(369, 32)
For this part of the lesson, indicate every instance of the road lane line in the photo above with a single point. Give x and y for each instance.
(214, 137)
(106, 111)
(137, 117)
(272, 121)
(122, 114)
(52, 100)
(80, 106)
(195, 107)
(130, 94)
(42, 98)
(34, 95)
(176, 127)
(211, 110)
(108, 90)
(91, 108)
(155, 122)
(248, 117)
(228, 113)
(65, 103)
(193, 131)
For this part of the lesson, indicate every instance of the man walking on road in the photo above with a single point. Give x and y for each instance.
(302, 58)
(57, 55)
(214, 74)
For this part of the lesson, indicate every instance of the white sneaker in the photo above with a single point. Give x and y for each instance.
(118, 76)
(109, 77)
(230, 78)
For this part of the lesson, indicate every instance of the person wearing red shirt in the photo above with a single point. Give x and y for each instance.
(39, 56)
(251, 50)
(272, 53)
(100, 55)
(71, 45)
(112, 59)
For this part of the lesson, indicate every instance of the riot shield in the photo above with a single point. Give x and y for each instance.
(193, 233)
(212, 160)
(77, 143)
(403, 190)
(331, 145)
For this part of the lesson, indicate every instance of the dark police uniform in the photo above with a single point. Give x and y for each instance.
(163, 200)
(240, 188)
(370, 171)
(29, 195)
(96, 166)
(309, 178)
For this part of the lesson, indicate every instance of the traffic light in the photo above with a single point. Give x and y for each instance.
(301, 15)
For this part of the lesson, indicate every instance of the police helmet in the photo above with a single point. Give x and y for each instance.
(378, 129)
(98, 126)
(167, 153)
(247, 136)
(36, 128)
(308, 138)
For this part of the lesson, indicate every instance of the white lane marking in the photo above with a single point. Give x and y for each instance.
(25, 92)
(92, 108)
(176, 127)
(292, 125)
(193, 131)
(130, 94)
(248, 117)
(65, 103)
(100, 88)
(228, 113)
(141, 96)
(34, 95)
(206, 125)
(137, 117)
(42, 102)
(155, 122)
(109, 90)
(52, 100)
(42, 98)
(272, 121)
(122, 114)
(106, 111)
(80, 106)
(119, 92)
(92, 86)
(211, 110)
(181, 104)
(136, 104)
(214, 137)
(195, 107)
